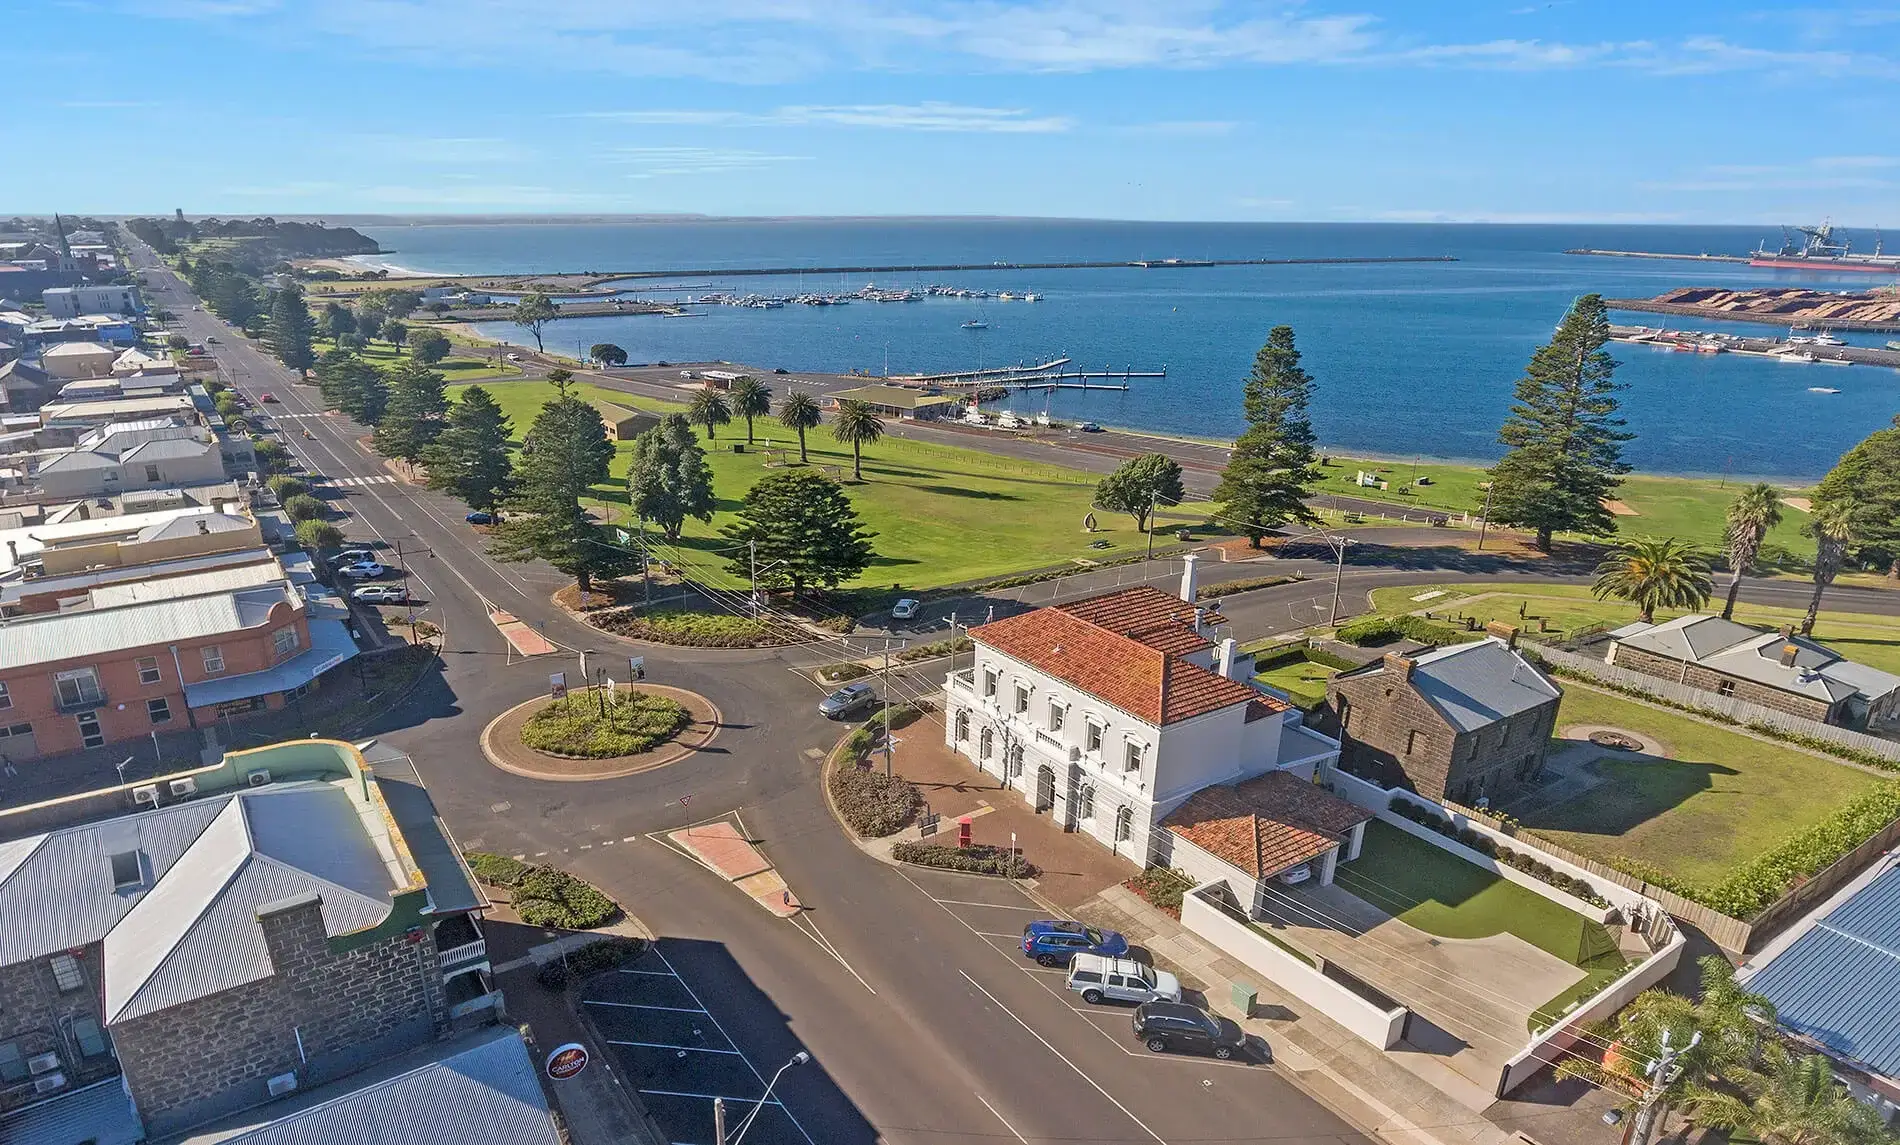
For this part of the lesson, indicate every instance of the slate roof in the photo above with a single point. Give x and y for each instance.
(1266, 824)
(1751, 653)
(1475, 685)
(1124, 648)
(1838, 982)
(480, 1090)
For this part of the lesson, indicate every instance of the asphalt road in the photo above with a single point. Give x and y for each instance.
(921, 1030)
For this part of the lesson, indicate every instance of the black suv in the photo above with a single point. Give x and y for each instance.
(1180, 1027)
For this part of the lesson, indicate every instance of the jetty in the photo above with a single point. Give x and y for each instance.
(1657, 254)
(1796, 348)
(1053, 374)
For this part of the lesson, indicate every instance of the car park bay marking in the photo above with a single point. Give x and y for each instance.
(1000, 1117)
(1079, 1072)
(671, 1046)
(645, 1006)
(994, 905)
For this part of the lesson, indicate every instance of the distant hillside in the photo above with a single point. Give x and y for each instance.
(254, 244)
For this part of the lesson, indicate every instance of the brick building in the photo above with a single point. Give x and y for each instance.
(1775, 669)
(1465, 723)
(160, 656)
(268, 925)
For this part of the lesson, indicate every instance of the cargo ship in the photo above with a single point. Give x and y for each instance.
(1816, 249)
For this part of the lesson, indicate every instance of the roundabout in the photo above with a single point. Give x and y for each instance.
(648, 727)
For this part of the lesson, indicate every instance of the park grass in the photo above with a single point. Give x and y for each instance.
(942, 515)
(1434, 890)
(1722, 798)
(1692, 508)
(1300, 679)
(1867, 638)
(465, 363)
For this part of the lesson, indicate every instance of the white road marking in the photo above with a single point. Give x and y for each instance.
(1000, 1117)
(742, 1057)
(1079, 1072)
(824, 944)
(669, 1046)
(640, 1006)
(996, 905)
(723, 1097)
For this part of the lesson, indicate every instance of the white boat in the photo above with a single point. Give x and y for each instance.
(1032, 298)
(1822, 390)
(1834, 361)
(1826, 339)
(975, 324)
(1803, 356)
(1006, 296)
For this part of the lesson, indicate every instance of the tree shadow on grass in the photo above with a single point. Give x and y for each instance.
(1636, 790)
(974, 494)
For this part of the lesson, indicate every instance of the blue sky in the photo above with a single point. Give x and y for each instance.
(1485, 110)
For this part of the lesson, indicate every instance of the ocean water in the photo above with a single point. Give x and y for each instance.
(1407, 358)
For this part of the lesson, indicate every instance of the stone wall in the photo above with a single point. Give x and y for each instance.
(213, 1055)
(1708, 680)
(34, 1016)
(1395, 736)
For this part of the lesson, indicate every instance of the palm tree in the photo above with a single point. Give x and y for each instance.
(1750, 516)
(709, 409)
(1794, 1100)
(1832, 528)
(1653, 573)
(750, 399)
(1714, 1039)
(798, 412)
(857, 425)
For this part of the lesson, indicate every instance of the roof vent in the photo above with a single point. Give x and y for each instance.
(281, 1084)
(1788, 653)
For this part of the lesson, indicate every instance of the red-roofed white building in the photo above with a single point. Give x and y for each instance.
(1110, 712)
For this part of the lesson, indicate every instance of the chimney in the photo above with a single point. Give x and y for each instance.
(1787, 631)
(1187, 578)
(1400, 666)
(1788, 652)
(1228, 649)
(1503, 631)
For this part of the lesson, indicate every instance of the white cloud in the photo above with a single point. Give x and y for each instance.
(908, 117)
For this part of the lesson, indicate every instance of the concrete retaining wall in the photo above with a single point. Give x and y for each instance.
(1548, 1048)
(1382, 1028)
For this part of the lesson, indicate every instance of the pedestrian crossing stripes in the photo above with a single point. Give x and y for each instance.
(349, 482)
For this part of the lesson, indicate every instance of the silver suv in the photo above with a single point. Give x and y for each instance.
(1100, 979)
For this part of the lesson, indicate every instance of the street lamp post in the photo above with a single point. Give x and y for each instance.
(799, 1058)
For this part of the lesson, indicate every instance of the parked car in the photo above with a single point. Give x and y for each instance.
(780, 370)
(480, 518)
(847, 701)
(905, 609)
(362, 570)
(1181, 1028)
(1089, 427)
(1100, 980)
(352, 556)
(267, 397)
(211, 342)
(1053, 942)
(380, 593)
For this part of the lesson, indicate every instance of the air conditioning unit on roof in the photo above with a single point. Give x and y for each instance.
(48, 1082)
(42, 1063)
(183, 787)
(257, 777)
(146, 795)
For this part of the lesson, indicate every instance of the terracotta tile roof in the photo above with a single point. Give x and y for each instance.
(1265, 825)
(1140, 672)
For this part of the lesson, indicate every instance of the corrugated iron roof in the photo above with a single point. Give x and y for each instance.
(1475, 685)
(100, 1113)
(1840, 982)
(51, 637)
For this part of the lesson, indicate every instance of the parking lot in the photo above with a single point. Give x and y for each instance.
(676, 1054)
(997, 911)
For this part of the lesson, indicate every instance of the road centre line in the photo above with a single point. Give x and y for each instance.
(670, 1046)
(641, 1006)
(1079, 1072)
(824, 944)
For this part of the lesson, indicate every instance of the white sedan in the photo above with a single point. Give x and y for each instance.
(905, 609)
(362, 570)
(381, 593)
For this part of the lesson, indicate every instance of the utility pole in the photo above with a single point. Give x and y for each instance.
(719, 1121)
(752, 550)
(646, 571)
(887, 707)
(1339, 572)
(1661, 1073)
(1484, 514)
(1154, 496)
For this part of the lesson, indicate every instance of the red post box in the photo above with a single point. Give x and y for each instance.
(963, 830)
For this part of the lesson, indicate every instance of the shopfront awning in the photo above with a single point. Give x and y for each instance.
(330, 644)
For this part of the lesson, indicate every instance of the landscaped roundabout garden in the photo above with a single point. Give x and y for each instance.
(596, 726)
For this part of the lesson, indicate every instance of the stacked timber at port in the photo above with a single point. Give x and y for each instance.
(1877, 310)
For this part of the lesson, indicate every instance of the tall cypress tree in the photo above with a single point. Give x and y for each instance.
(1864, 486)
(289, 330)
(1272, 463)
(470, 457)
(1565, 438)
(669, 479)
(566, 456)
(415, 415)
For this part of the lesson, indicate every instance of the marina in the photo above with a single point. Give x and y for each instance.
(1873, 311)
(1821, 349)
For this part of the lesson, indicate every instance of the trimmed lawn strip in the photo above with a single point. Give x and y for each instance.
(1300, 679)
(1722, 800)
(1434, 890)
(1571, 996)
(942, 515)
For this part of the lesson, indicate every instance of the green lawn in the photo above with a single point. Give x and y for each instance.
(465, 363)
(1871, 639)
(1434, 890)
(1301, 679)
(1721, 799)
(1687, 507)
(942, 515)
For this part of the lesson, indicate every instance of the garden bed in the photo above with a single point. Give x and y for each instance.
(692, 629)
(541, 895)
(873, 804)
(1161, 888)
(597, 726)
(976, 859)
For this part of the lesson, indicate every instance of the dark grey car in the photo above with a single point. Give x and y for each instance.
(848, 701)
(1182, 1028)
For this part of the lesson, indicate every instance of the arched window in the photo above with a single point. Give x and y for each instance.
(963, 726)
(985, 742)
(1085, 802)
(1124, 824)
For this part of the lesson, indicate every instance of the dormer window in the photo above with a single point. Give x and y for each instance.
(127, 870)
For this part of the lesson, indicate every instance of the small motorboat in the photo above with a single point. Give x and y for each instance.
(1822, 390)
(976, 324)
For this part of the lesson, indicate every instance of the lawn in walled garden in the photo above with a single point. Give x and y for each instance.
(942, 515)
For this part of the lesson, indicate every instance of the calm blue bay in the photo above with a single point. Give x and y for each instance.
(1409, 358)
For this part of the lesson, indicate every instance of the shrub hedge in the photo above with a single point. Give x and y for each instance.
(1485, 845)
(1385, 629)
(933, 650)
(976, 859)
(635, 722)
(1162, 887)
(873, 803)
(691, 629)
(843, 671)
(1765, 878)
(604, 954)
(1246, 584)
(496, 870)
(543, 896)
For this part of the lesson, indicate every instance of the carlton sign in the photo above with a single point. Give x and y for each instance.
(567, 1061)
